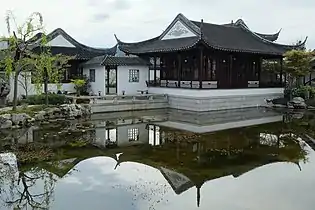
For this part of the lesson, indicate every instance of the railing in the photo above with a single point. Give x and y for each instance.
(115, 99)
(192, 84)
(212, 84)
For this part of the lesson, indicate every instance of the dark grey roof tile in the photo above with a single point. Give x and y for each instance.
(159, 45)
(229, 37)
(124, 61)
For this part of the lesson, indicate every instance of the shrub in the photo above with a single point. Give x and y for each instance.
(53, 99)
(302, 92)
(82, 88)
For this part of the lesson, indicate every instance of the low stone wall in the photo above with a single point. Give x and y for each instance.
(219, 102)
(129, 106)
(221, 116)
(201, 100)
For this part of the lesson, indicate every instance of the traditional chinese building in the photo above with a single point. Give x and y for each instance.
(200, 64)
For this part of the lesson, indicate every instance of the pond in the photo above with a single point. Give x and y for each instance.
(162, 159)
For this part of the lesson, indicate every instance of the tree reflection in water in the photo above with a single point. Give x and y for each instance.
(185, 159)
(22, 190)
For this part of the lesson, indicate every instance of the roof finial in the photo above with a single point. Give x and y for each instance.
(201, 29)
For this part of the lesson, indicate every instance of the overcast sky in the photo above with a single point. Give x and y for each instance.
(94, 22)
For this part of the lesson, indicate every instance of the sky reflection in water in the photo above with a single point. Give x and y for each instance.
(143, 175)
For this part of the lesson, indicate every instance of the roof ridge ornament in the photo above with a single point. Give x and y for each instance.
(201, 29)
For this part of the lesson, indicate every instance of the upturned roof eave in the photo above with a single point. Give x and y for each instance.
(204, 41)
(279, 49)
(74, 42)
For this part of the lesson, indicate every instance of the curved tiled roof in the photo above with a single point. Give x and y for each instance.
(124, 61)
(77, 53)
(230, 37)
(237, 39)
(270, 37)
(80, 51)
(157, 45)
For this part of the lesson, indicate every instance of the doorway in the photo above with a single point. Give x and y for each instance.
(111, 81)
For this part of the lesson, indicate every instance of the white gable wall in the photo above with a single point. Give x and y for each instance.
(179, 30)
(99, 84)
(60, 41)
(130, 88)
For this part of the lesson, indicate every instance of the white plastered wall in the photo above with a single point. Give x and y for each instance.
(99, 84)
(130, 88)
(32, 89)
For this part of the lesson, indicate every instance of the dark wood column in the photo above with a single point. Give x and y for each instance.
(154, 66)
(230, 71)
(281, 71)
(201, 67)
(259, 69)
(179, 70)
(107, 79)
(116, 82)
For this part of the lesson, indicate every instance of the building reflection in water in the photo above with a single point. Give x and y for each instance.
(129, 135)
(187, 160)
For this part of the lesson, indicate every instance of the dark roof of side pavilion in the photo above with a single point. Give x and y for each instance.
(124, 61)
(79, 51)
(109, 60)
(235, 37)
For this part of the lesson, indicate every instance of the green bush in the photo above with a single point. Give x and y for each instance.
(86, 88)
(53, 99)
(301, 92)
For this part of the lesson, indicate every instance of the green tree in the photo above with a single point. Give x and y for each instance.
(49, 68)
(19, 47)
(20, 56)
(297, 64)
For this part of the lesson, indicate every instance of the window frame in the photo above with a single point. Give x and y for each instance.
(133, 134)
(134, 76)
(90, 75)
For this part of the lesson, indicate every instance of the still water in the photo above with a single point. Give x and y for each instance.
(251, 159)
